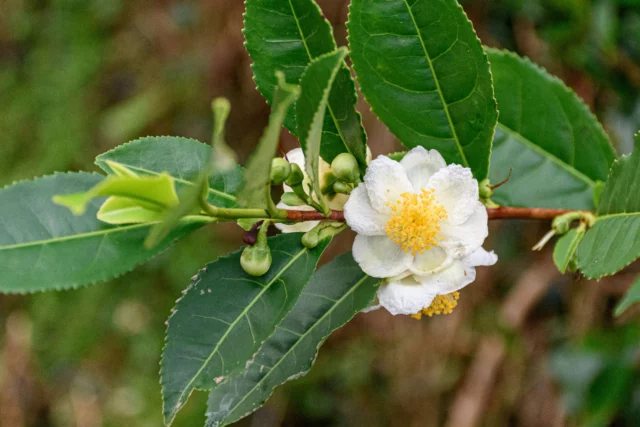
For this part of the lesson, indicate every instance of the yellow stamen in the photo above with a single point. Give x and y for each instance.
(441, 304)
(415, 221)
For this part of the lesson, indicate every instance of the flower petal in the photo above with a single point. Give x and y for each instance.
(421, 165)
(481, 257)
(463, 239)
(379, 256)
(361, 217)
(430, 260)
(406, 296)
(457, 191)
(300, 227)
(385, 181)
(450, 279)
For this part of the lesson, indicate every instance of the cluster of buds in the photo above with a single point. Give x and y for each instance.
(344, 175)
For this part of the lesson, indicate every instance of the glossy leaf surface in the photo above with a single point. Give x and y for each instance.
(286, 36)
(43, 246)
(181, 158)
(311, 108)
(614, 241)
(226, 315)
(335, 294)
(556, 147)
(422, 69)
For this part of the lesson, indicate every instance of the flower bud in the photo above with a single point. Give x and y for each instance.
(256, 260)
(342, 187)
(296, 177)
(311, 238)
(345, 167)
(280, 171)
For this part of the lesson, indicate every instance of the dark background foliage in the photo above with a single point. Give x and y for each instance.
(526, 346)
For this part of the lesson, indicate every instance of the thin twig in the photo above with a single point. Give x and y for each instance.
(494, 213)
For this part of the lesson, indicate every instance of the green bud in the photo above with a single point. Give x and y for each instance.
(311, 238)
(345, 167)
(280, 171)
(296, 177)
(486, 192)
(342, 187)
(256, 260)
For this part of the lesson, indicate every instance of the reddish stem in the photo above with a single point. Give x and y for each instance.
(502, 212)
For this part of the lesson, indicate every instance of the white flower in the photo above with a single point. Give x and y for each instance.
(421, 226)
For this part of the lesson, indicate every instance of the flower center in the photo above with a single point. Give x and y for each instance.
(442, 304)
(415, 221)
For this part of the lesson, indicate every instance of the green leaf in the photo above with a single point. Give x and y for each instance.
(287, 36)
(151, 192)
(315, 85)
(256, 192)
(43, 246)
(189, 205)
(181, 158)
(422, 69)
(566, 247)
(226, 315)
(120, 210)
(614, 241)
(546, 134)
(335, 294)
(631, 297)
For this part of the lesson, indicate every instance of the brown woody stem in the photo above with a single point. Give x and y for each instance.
(494, 213)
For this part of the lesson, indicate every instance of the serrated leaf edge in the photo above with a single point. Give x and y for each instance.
(301, 337)
(99, 161)
(493, 97)
(545, 74)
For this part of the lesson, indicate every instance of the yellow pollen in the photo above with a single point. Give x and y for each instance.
(442, 304)
(415, 221)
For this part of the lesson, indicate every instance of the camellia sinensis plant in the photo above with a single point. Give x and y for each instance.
(254, 319)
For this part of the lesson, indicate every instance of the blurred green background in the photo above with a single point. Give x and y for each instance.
(526, 346)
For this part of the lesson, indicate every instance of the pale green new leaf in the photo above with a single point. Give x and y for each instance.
(630, 298)
(156, 193)
(311, 107)
(286, 36)
(43, 246)
(183, 159)
(335, 294)
(422, 69)
(226, 315)
(256, 192)
(555, 145)
(189, 204)
(120, 210)
(614, 241)
(566, 247)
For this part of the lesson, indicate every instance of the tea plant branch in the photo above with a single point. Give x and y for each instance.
(502, 212)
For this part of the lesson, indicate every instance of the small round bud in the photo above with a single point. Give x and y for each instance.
(342, 187)
(310, 239)
(345, 167)
(296, 177)
(256, 260)
(280, 171)
(486, 192)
